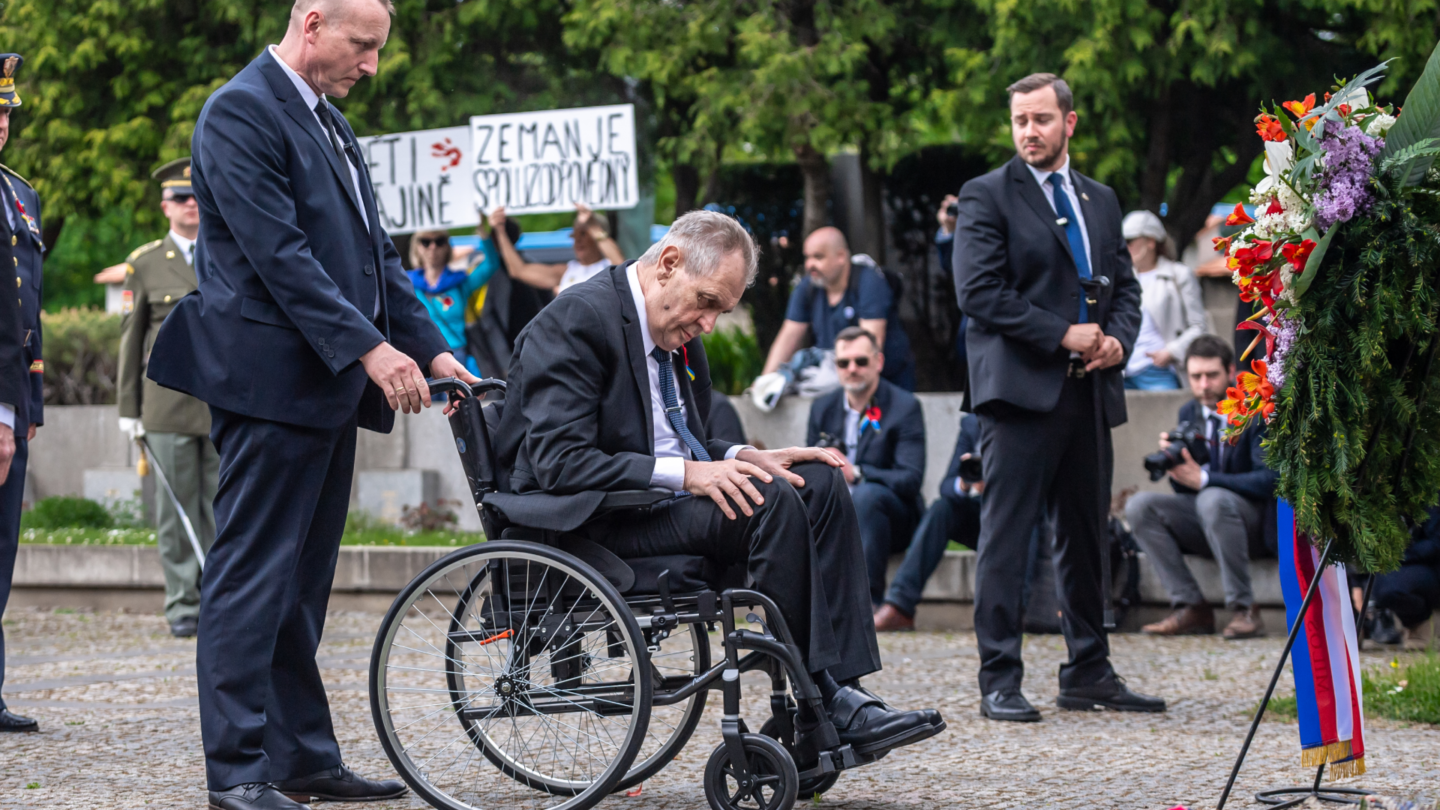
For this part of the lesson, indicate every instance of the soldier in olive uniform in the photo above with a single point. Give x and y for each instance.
(175, 426)
(24, 414)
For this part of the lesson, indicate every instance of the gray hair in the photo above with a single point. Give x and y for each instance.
(704, 239)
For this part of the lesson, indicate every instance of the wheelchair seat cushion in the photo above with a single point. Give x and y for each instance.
(687, 573)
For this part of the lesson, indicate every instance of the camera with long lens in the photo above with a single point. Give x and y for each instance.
(971, 469)
(1187, 436)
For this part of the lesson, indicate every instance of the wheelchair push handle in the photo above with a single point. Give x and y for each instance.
(455, 385)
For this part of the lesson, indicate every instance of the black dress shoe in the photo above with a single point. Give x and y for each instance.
(14, 722)
(871, 727)
(252, 796)
(184, 627)
(1111, 693)
(1010, 705)
(340, 784)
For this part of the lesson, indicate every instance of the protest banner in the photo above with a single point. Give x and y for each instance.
(420, 179)
(548, 160)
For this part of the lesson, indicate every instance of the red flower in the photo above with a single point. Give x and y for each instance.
(446, 301)
(1238, 216)
(1221, 243)
(873, 413)
(1274, 207)
(1300, 109)
(1297, 255)
(1269, 129)
(1248, 258)
(1343, 109)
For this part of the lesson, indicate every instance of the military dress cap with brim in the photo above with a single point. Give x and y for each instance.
(9, 64)
(174, 177)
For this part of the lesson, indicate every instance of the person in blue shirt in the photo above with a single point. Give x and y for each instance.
(836, 293)
(445, 292)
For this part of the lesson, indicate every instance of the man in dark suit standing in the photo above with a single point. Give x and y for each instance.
(610, 391)
(876, 429)
(21, 369)
(304, 327)
(1045, 353)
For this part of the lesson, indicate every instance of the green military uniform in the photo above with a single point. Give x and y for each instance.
(177, 426)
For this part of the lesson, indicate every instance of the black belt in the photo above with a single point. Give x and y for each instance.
(1076, 368)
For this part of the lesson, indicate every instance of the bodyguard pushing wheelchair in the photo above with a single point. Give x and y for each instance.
(572, 644)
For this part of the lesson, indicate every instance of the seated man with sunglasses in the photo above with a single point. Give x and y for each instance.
(877, 430)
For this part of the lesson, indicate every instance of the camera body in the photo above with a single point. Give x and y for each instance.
(1186, 436)
(953, 209)
(971, 469)
(826, 440)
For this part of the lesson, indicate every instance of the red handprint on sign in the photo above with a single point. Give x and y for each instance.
(446, 150)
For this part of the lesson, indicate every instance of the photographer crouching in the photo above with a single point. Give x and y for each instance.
(1224, 506)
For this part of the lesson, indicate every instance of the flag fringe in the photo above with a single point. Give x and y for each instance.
(1347, 769)
(1335, 753)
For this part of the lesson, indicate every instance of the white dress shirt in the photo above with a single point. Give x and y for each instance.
(1066, 182)
(670, 452)
(186, 246)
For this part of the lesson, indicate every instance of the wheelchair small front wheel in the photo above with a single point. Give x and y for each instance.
(809, 788)
(772, 785)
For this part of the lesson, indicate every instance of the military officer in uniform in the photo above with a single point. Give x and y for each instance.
(174, 425)
(21, 392)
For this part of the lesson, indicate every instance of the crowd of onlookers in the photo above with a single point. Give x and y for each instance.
(842, 342)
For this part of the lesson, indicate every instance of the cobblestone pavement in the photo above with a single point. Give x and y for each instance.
(115, 696)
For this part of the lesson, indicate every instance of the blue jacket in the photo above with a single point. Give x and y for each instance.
(29, 254)
(967, 442)
(446, 301)
(894, 453)
(287, 269)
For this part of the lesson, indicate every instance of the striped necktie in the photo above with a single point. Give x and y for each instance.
(673, 411)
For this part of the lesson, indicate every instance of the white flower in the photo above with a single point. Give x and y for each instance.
(1356, 96)
(1279, 157)
(1379, 125)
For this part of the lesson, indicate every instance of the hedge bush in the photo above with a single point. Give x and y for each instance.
(82, 349)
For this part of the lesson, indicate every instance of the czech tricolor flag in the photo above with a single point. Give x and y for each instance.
(1325, 659)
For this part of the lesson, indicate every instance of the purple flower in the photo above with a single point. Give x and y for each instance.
(1285, 331)
(1344, 181)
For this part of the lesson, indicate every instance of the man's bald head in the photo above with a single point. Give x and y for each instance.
(827, 257)
(332, 9)
(333, 44)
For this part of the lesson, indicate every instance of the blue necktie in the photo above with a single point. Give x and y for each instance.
(673, 411)
(1072, 235)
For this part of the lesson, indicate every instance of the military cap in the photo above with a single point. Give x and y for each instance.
(9, 63)
(174, 178)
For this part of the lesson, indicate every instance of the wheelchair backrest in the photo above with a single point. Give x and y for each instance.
(471, 424)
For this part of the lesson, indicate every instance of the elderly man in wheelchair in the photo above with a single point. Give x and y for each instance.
(572, 645)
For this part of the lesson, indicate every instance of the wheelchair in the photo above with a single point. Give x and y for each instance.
(575, 674)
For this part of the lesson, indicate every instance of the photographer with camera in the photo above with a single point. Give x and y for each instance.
(1223, 506)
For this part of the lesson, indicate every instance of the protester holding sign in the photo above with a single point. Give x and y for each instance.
(594, 251)
(445, 292)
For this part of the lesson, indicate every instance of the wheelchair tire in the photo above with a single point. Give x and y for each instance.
(684, 654)
(809, 788)
(769, 763)
(517, 656)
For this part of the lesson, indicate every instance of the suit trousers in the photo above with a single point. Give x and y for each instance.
(280, 510)
(12, 495)
(1059, 459)
(1217, 523)
(886, 523)
(948, 518)
(801, 548)
(192, 467)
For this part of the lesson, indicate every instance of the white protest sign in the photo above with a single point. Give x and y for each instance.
(420, 179)
(546, 161)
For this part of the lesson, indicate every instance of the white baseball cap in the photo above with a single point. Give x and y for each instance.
(1142, 223)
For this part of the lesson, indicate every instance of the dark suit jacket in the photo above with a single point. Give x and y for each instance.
(14, 373)
(967, 442)
(724, 421)
(27, 260)
(894, 455)
(1018, 284)
(1243, 469)
(286, 268)
(577, 420)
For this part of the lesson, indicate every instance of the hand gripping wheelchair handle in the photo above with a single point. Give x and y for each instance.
(455, 385)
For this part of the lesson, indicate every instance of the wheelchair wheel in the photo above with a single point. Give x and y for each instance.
(514, 656)
(773, 779)
(809, 788)
(679, 659)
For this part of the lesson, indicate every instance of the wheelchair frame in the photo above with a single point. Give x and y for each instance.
(750, 760)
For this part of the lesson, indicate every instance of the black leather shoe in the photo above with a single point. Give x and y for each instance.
(10, 721)
(185, 627)
(1009, 704)
(1111, 693)
(340, 784)
(252, 796)
(871, 727)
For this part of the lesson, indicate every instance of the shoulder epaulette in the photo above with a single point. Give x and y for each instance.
(14, 174)
(143, 249)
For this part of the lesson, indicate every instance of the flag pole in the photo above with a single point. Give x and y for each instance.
(1279, 668)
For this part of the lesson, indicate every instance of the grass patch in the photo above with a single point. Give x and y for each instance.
(360, 530)
(1408, 693)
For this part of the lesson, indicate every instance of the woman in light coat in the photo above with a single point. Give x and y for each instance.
(1171, 312)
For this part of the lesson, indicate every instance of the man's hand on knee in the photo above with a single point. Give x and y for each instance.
(717, 479)
(779, 462)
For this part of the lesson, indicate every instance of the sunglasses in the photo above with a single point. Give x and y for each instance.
(843, 363)
(181, 199)
(443, 241)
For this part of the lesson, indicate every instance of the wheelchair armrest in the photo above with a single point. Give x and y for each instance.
(632, 499)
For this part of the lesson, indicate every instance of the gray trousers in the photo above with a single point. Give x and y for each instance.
(1215, 523)
(192, 467)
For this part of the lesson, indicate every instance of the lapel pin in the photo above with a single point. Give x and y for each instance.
(1084, 196)
(1062, 222)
